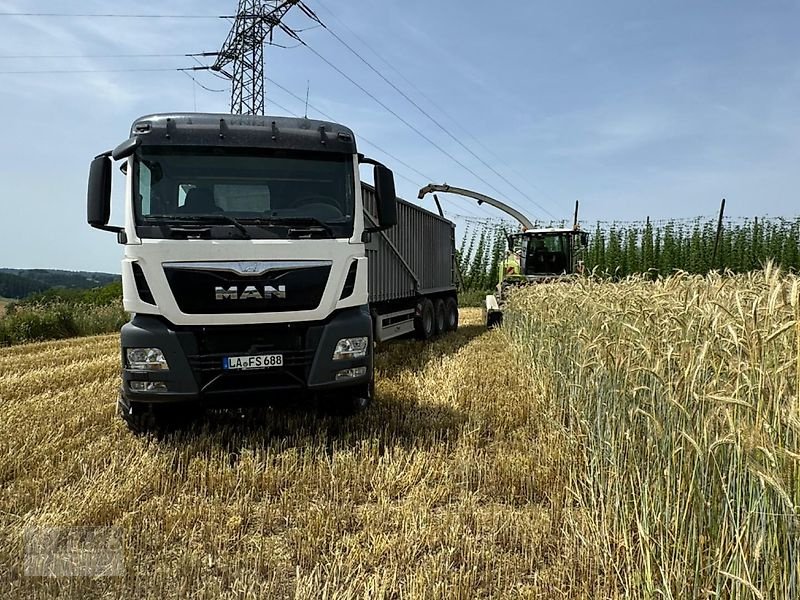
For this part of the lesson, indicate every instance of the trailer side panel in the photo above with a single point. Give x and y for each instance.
(416, 257)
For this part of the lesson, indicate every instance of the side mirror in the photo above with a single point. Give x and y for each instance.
(126, 148)
(385, 196)
(584, 240)
(98, 198)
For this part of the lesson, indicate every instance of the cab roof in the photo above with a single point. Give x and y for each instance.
(244, 131)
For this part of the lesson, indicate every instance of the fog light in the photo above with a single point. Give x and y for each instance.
(146, 359)
(351, 348)
(351, 373)
(148, 386)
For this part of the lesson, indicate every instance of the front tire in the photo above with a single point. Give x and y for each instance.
(144, 418)
(349, 402)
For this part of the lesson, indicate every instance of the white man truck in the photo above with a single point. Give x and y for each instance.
(258, 267)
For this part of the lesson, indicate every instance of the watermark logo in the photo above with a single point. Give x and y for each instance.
(73, 552)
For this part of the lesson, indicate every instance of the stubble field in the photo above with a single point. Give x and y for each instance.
(613, 440)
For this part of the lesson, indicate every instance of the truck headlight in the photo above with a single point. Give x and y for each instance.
(351, 348)
(146, 359)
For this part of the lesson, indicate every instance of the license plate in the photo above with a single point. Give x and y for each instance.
(262, 361)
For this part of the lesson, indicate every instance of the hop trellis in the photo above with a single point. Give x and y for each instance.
(621, 248)
(688, 245)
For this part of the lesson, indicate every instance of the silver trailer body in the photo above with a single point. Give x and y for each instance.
(414, 258)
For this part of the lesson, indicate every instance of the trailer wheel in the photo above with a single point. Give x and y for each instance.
(424, 325)
(451, 314)
(440, 321)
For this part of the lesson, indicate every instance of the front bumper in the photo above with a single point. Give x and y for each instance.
(195, 358)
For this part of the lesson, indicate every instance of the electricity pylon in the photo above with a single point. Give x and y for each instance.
(244, 47)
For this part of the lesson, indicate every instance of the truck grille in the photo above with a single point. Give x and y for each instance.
(210, 289)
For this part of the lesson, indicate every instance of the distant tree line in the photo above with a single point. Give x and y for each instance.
(17, 286)
(20, 283)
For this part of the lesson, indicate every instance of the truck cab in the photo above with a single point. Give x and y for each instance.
(244, 266)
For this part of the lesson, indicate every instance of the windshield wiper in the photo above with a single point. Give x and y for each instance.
(312, 224)
(203, 219)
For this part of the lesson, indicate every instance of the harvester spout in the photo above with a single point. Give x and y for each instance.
(481, 198)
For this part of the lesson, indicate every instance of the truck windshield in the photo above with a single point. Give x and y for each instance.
(251, 193)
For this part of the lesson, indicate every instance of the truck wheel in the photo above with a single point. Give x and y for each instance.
(424, 326)
(347, 403)
(143, 418)
(440, 321)
(451, 314)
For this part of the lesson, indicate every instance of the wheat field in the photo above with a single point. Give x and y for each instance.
(611, 440)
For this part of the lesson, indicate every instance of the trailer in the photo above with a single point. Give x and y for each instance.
(412, 272)
(257, 266)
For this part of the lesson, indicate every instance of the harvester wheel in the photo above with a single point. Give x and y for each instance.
(424, 326)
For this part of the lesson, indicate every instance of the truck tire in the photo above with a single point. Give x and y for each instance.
(451, 314)
(143, 418)
(440, 316)
(424, 325)
(347, 404)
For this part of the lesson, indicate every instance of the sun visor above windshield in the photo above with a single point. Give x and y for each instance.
(243, 131)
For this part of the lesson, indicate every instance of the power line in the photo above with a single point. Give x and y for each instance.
(55, 71)
(433, 103)
(401, 119)
(330, 118)
(112, 15)
(193, 78)
(32, 56)
(290, 112)
(294, 114)
(361, 137)
(424, 112)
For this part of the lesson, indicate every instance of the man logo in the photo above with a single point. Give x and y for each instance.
(251, 292)
(249, 267)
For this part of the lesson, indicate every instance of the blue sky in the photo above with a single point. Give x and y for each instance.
(635, 108)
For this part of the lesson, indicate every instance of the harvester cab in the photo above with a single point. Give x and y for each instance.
(548, 253)
(542, 255)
